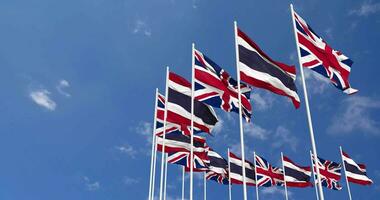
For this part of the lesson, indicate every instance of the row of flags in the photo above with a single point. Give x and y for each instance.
(188, 110)
(259, 172)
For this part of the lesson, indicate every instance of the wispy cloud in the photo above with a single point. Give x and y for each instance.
(271, 191)
(145, 129)
(141, 27)
(130, 181)
(262, 100)
(316, 83)
(283, 137)
(91, 186)
(41, 97)
(63, 84)
(366, 8)
(355, 114)
(255, 131)
(127, 149)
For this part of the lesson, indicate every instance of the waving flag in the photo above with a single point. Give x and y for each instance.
(317, 55)
(179, 107)
(259, 70)
(160, 107)
(217, 168)
(295, 175)
(236, 170)
(215, 87)
(176, 141)
(183, 158)
(330, 173)
(267, 175)
(356, 173)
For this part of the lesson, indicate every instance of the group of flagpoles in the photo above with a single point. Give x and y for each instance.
(240, 113)
(313, 145)
(154, 152)
(283, 171)
(313, 174)
(345, 173)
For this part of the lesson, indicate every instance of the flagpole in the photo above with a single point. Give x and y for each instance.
(166, 175)
(240, 113)
(257, 185)
(283, 169)
(229, 175)
(192, 122)
(183, 182)
(204, 187)
(163, 136)
(152, 173)
(345, 173)
(314, 148)
(154, 165)
(312, 170)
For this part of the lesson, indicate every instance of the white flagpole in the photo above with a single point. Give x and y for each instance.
(166, 175)
(204, 187)
(163, 136)
(154, 166)
(345, 174)
(229, 175)
(314, 147)
(240, 113)
(152, 160)
(257, 185)
(192, 122)
(283, 169)
(313, 174)
(183, 182)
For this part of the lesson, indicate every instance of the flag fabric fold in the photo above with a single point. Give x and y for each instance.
(356, 173)
(318, 56)
(267, 175)
(259, 70)
(330, 173)
(217, 168)
(215, 87)
(236, 171)
(295, 175)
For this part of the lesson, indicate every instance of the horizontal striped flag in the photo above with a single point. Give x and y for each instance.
(236, 171)
(356, 173)
(318, 56)
(258, 69)
(175, 141)
(160, 110)
(295, 175)
(217, 168)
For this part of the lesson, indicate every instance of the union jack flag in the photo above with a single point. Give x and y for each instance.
(330, 173)
(215, 87)
(160, 110)
(267, 175)
(317, 55)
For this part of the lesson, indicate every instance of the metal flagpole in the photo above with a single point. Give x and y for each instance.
(163, 136)
(152, 160)
(166, 175)
(313, 174)
(257, 185)
(192, 122)
(204, 186)
(154, 166)
(314, 148)
(183, 182)
(240, 113)
(229, 175)
(345, 174)
(283, 169)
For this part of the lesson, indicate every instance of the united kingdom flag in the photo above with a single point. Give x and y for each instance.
(317, 55)
(160, 110)
(201, 160)
(330, 173)
(267, 175)
(215, 87)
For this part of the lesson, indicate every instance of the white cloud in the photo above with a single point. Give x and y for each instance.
(61, 86)
(218, 127)
(367, 8)
(141, 27)
(355, 114)
(275, 191)
(130, 181)
(145, 129)
(283, 137)
(315, 82)
(41, 98)
(255, 131)
(91, 186)
(262, 101)
(127, 149)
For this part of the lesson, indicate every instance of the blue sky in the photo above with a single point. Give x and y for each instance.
(78, 80)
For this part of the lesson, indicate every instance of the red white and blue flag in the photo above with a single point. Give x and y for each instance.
(295, 175)
(330, 173)
(160, 110)
(175, 141)
(179, 107)
(317, 55)
(236, 170)
(267, 175)
(217, 168)
(215, 87)
(259, 70)
(356, 173)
